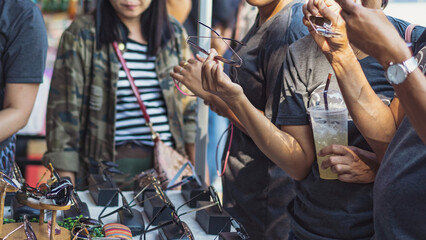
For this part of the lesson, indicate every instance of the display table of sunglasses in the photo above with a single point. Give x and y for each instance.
(40, 229)
(175, 196)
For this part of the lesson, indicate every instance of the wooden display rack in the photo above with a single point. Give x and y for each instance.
(40, 229)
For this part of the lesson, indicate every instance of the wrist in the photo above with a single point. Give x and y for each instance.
(343, 61)
(399, 55)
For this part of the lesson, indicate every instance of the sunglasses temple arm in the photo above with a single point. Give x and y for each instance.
(139, 193)
(183, 204)
(198, 209)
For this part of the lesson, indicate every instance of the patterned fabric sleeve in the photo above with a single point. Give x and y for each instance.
(62, 119)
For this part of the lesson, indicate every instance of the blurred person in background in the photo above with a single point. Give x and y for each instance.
(23, 44)
(92, 112)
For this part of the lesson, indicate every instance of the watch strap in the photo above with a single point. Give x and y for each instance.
(410, 64)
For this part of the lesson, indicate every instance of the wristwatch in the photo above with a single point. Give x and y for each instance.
(398, 72)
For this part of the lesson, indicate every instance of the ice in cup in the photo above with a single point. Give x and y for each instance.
(329, 127)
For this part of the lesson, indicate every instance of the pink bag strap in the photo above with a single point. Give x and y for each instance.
(408, 31)
(134, 89)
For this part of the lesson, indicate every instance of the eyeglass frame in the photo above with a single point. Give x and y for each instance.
(219, 58)
(324, 29)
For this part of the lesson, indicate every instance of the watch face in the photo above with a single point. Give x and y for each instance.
(396, 74)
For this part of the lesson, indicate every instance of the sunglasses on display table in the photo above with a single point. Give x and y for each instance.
(29, 232)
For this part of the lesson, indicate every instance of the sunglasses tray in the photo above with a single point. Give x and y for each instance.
(191, 190)
(102, 191)
(171, 232)
(211, 219)
(152, 205)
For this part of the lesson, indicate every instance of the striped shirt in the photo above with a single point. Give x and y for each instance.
(130, 123)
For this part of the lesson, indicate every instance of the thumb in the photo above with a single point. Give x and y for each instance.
(212, 54)
(329, 10)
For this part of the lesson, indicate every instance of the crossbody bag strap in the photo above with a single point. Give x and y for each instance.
(134, 89)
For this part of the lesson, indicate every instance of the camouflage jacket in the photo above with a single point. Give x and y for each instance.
(81, 109)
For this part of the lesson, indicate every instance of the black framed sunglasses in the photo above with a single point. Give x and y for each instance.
(215, 202)
(29, 231)
(193, 42)
(61, 193)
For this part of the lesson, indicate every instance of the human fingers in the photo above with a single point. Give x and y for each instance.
(311, 8)
(334, 149)
(199, 58)
(207, 71)
(336, 160)
(329, 10)
(341, 169)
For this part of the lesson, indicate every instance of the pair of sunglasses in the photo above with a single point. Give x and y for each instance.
(215, 202)
(185, 231)
(83, 228)
(193, 42)
(29, 231)
(323, 27)
(61, 192)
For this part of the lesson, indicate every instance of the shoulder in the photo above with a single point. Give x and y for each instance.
(176, 26)
(22, 13)
(82, 23)
(305, 47)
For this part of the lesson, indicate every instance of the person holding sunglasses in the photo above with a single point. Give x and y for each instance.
(347, 208)
(23, 49)
(397, 133)
(93, 114)
(255, 190)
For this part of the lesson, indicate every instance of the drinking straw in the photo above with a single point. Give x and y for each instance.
(327, 84)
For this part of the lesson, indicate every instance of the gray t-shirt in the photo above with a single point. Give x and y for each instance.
(322, 209)
(23, 43)
(400, 188)
(256, 191)
(328, 209)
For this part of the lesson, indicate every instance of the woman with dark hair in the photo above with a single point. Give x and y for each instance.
(93, 114)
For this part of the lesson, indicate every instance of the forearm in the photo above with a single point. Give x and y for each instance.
(221, 108)
(18, 104)
(412, 92)
(283, 149)
(11, 121)
(371, 116)
(190, 151)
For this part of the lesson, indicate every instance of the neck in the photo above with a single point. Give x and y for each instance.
(135, 32)
(268, 11)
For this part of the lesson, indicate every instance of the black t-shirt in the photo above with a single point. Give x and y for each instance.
(23, 43)
(256, 191)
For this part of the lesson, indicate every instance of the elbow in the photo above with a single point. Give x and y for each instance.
(300, 175)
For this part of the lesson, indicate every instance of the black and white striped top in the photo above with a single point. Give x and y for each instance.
(130, 123)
